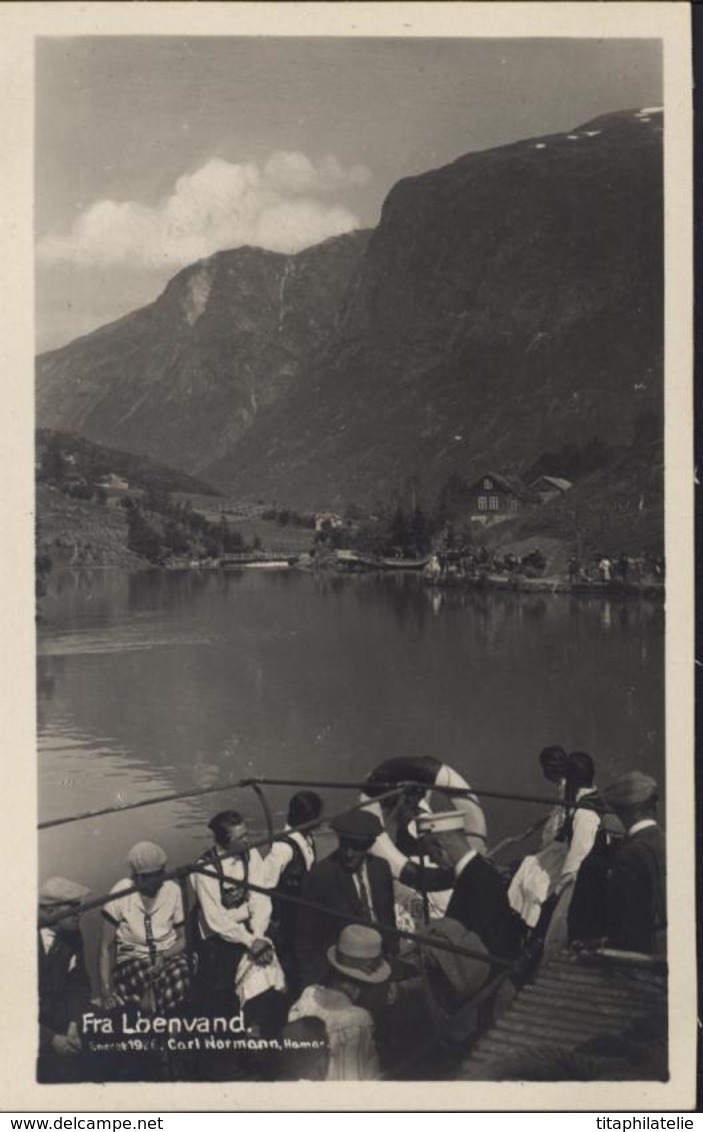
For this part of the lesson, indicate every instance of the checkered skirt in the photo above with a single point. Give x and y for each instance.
(171, 984)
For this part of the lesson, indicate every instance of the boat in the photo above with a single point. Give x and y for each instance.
(404, 563)
(589, 1015)
(258, 561)
(355, 560)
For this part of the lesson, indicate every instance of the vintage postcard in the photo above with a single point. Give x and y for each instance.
(348, 442)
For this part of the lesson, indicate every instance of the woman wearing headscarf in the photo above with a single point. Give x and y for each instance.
(572, 826)
(142, 945)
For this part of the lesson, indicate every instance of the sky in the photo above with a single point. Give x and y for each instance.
(152, 153)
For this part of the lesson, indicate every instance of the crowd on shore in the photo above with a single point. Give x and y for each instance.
(318, 956)
(601, 569)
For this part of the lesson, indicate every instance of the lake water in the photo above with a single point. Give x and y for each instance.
(155, 683)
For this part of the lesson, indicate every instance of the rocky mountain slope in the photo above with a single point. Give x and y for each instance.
(507, 304)
(182, 379)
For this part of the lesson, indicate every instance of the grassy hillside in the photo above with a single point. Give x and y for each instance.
(618, 508)
(74, 532)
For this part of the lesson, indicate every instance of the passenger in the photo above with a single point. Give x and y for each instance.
(636, 898)
(552, 870)
(285, 868)
(553, 763)
(582, 821)
(343, 1002)
(232, 921)
(587, 913)
(422, 851)
(142, 942)
(350, 882)
(479, 900)
(64, 986)
(538, 873)
(431, 774)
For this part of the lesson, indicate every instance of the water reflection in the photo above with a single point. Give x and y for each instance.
(170, 682)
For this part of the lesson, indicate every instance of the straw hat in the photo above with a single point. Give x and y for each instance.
(357, 953)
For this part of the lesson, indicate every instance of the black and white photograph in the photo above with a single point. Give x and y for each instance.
(354, 582)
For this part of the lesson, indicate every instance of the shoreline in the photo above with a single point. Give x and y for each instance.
(498, 583)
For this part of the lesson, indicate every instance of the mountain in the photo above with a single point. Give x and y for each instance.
(91, 462)
(182, 379)
(507, 304)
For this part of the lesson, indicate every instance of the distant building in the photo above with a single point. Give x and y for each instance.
(334, 522)
(550, 487)
(112, 482)
(495, 496)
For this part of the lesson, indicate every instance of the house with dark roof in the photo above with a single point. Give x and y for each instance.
(495, 496)
(550, 487)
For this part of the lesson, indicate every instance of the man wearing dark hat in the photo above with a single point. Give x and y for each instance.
(64, 987)
(350, 881)
(636, 896)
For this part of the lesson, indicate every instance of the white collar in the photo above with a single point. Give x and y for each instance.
(48, 935)
(298, 834)
(464, 861)
(643, 824)
(583, 791)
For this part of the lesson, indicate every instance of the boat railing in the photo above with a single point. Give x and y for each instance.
(181, 873)
(257, 783)
(501, 968)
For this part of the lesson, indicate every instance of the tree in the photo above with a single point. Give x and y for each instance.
(451, 501)
(52, 463)
(141, 537)
(175, 538)
(398, 533)
(419, 533)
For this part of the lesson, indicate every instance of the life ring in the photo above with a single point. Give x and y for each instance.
(430, 772)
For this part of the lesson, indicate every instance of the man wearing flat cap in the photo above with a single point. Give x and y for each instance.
(64, 987)
(349, 881)
(636, 896)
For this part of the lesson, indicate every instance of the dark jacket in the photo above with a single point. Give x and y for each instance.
(64, 987)
(328, 883)
(636, 898)
(480, 903)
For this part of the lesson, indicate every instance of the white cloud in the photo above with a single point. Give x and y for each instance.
(221, 205)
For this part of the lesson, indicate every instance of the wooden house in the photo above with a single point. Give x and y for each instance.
(495, 496)
(550, 487)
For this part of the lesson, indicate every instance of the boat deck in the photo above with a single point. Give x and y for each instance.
(582, 1019)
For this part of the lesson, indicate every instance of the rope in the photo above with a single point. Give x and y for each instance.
(183, 871)
(449, 791)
